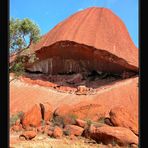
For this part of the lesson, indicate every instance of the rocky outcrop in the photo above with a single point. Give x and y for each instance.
(93, 39)
(82, 110)
(38, 113)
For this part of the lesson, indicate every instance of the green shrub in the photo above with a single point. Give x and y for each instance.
(43, 122)
(15, 117)
(58, 121)
(66, 132)
(101, 120)
(18, 69)
(89, 122)
(73, 118)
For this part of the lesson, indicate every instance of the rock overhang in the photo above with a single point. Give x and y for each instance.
(92, 34)
(69, 56)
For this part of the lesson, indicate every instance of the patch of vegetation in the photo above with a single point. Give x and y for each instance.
(32, 58)
(102, 120)
(89, 122)
(58, 121)
(66, 132)
(23, 33)
(43, 122)
(15, 117)
(63, 120)
(73, 118)
(114, 143)
(18, 69)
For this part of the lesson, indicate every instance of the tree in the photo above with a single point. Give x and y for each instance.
(22, 34)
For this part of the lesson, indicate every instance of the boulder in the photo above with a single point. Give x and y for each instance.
(73, 137)
(46, 129)
(62, 110)
(49, 123)
(81, 123)
(57, 132)
(16, 128)
(107, 134)
(30, 128)
(120, 116)
(74, 130)
(33, 117)
(50, 133)
(82, 110)
(64, 115)
(82, 90)
(46, 110)
(28, 135)
(40, 129)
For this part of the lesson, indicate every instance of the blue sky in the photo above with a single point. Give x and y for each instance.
(48, 13)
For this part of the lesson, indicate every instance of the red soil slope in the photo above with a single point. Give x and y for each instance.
(123, 93)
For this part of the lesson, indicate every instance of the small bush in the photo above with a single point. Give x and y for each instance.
(43, 122)
(101, 120)
(114, 143)
(62, 121)
(15, 117)
(66, 132)
(89, 122)
(58, 121)
(18, 69)
(73, 118)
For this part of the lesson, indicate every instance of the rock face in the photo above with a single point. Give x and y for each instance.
(33, 117)
(107, 134)
(76, 79)
(120, 116)
(92, 39)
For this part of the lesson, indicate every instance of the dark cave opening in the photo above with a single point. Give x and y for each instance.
(93, 79)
